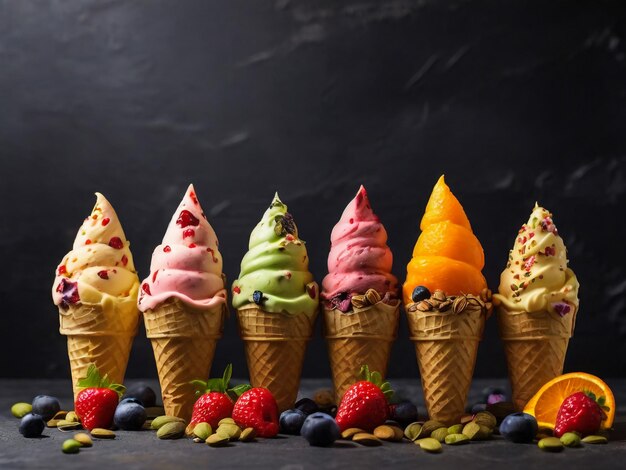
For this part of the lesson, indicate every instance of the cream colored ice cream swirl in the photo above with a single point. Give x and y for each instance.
(536, 277)
(99, 269)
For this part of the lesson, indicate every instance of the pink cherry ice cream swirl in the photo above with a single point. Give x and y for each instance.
(187, 265)
(359, 257)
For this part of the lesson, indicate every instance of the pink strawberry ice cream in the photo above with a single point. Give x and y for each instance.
(187, 265)
(359, 257)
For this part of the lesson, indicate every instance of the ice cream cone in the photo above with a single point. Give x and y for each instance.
(102, 336)
(183, 340)
(535, 345)
(275, 344)
(446, 345)
(359, 337)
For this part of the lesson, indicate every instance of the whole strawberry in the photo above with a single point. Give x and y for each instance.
(364, 405)
(215, 402)
(95, 404)
(580, 412)
(257, 409)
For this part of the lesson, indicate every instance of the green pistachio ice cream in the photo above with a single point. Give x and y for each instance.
(275, 271)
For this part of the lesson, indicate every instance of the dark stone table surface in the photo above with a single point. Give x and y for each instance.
(135, 450)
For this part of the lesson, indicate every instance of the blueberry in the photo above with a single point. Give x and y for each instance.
(257, 297)
(404, 412)
(519, 427)
(46, 406)
(143, 393)
(131, 400)
(129, 416)
(32, 425)
(307, 406)
(291, 421)
(320, 429)
(420, 293)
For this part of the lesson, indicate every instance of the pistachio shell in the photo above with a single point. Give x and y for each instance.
(72, 417)
(100, 433)
(595, 440)
(439, 434)
(247, 435)
(232, 431)
(431, 425)
(217, 440)
(202, 430)
(159, 421)
(456, 439)
(412, 431)
(471, 430)
(570, 439)
(62, 414)
(485, 418)
(171, 430)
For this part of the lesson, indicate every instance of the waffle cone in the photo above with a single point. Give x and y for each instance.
(535, 345)
(183, 340)
(102, 336)
(275, 344)
(446, 345)
(359, 337)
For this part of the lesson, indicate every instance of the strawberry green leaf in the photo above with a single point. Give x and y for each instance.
(215, 385)
(365, 373)
(602, 400)
(120, 389)
(93, 379)
(228, 372)
(376, 378)
(388, 394)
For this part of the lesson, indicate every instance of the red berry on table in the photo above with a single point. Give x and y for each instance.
(364, 405)
(580, 412)
(215, 403)
(257, 409)
(95, 404)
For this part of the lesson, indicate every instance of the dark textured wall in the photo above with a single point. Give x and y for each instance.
(514, 101)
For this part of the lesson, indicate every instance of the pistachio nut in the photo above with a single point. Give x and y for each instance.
(159, 421)
(65, 425)
(247, 435)
(19, 410)
(72, 417)
(367, 439)
(439, 434)
(471, 430)
(431, 425)
(171, 430)
(84, 439)
(217, 440)
(62, 414)
(595, 440)
(350, 432)
(570, 439)
(430, 445)
(202, 430)
(53, 423)
(100, 433)
(550, 444)
(456, 439)
(71, 446)
(412, 431)
(232, 431)
(455, 429)
(226, 421)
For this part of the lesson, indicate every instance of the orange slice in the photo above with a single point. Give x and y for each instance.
(545, 404)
